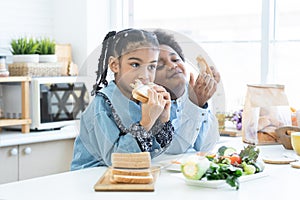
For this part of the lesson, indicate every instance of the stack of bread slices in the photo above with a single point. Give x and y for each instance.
(131, 168)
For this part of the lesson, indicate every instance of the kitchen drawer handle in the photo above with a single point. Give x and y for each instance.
(14, 152)
(27, 150)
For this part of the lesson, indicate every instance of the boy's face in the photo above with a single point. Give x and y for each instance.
(139, 64)
(170, 72)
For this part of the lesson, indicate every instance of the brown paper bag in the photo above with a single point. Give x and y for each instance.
(266, 108)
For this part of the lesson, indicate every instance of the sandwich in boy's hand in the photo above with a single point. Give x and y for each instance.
(202, 64)
(140, 90)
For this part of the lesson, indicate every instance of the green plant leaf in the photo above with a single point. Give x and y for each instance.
(24, 45)
(46, 46)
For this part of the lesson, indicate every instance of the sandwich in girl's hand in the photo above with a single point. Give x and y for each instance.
(140, 90)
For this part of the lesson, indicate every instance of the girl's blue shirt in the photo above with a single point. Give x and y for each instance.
(99, 134)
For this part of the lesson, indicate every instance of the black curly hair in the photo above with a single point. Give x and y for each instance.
(165, 38)
(117, 44)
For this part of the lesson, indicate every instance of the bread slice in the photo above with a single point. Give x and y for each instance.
(131, 156)
(131, 160)
(203, 65)
(131, 172)
(132, 179)
(131, 168)
(131, 164)
(140, 95)
(140, 90)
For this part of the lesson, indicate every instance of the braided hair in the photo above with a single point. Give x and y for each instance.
(117, 44)
(169, 40)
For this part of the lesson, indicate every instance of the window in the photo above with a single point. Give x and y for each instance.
(232, 34)
(285, 48)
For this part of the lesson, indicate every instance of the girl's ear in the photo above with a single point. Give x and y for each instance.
(113, 64)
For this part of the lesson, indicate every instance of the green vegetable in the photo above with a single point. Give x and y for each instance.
(221, 150)
(220, 167)
(222, 160)
(195, 167)
(259, 166)
(229, 151)
(226, 151)
(224, 172)
(249, 169)
(250, 154)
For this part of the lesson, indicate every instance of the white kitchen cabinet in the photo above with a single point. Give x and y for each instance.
(8, 164)
(34, 160)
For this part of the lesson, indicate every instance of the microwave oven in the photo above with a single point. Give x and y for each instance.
(54, 101)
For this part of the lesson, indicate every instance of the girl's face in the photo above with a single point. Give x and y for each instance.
(138, 64)
(170, 72)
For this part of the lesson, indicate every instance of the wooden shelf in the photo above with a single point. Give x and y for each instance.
(14, 79)
(13, 122)
(25, 121)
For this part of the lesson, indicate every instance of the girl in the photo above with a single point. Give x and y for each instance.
(114, 122)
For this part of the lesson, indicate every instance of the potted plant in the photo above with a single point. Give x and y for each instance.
(24, 49)
(46, 50)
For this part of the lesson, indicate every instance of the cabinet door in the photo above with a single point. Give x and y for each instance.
(8, 164)
(45, 158)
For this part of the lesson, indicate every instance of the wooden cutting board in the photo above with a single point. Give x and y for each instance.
(295, 164)
(230, 132)
(104, 184)
(278, 160)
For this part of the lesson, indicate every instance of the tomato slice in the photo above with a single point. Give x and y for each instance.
(235, 159)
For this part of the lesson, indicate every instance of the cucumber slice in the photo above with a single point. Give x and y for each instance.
(229, 151)
(221, 150)
(194, 168)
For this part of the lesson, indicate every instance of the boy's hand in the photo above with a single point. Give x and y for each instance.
(201, 90)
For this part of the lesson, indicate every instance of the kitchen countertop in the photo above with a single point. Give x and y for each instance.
(280, 182)
(10, 138)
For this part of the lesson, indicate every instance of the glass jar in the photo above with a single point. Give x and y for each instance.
(2, 62)
(3, 70)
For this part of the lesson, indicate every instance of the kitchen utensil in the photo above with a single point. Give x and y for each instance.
(284, 135)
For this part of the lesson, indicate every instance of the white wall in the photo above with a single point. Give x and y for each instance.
(82, 23)
(24, 18)
(69, 19)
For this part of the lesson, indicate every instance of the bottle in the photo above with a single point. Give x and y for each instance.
(1, 104)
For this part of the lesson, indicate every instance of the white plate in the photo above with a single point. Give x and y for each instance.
(222, 183)
(175, 163)
(174, 167)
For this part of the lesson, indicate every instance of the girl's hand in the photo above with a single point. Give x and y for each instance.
(152, 109)
(165, 115)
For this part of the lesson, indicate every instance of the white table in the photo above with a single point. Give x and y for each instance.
(281, 181)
